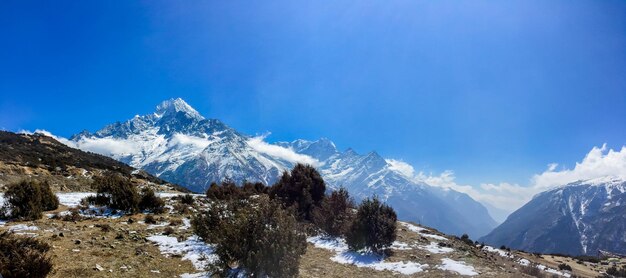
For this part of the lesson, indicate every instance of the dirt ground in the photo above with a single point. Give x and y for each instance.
(118, 247)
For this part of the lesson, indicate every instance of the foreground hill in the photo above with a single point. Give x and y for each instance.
(127, 246)
(68, 169)
(579, 218)
(178, 144)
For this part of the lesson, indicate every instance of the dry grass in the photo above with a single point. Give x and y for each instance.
(120, 247)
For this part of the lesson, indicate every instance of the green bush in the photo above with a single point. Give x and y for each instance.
(261, 238)
(565, 266)
(616, 272)
(465, 238)
(228, 190)
(116, 192)
(334, 215)
(374, 226)
(119, 193)
(23, 257)
(150, 202)
(28, 199)
(256, 188)
(187, 199)
(303, 189)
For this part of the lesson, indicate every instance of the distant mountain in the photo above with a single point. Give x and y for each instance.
(177, 144)
(578, 218)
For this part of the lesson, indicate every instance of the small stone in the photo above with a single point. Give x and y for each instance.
(61, 235)
(98, 268)
(77, 241)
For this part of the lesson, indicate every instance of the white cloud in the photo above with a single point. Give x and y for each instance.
(258, 144)
(193, 141)
(401, 167)
(107, 146)
(49, 134)
(503, 196)
(599, 162)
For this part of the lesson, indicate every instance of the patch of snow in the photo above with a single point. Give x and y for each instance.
(458, 267)
(195, 275)
(154, 226)
(21, 227)
(186, 224)
(400, 246)
(369, 260)
(72, 199)
(420, 231)
(524, 262)
(502, 253)
(434, 248)
(329, 243)
(553, 271)
(193, 249)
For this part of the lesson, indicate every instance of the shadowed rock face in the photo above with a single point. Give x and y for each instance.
(579, 218)
(177, 144)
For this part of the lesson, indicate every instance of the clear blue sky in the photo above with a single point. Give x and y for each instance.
(492, 90)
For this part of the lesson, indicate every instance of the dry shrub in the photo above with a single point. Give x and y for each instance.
(260, 238)
(150, 202)
(28, 199)
(23, 257)
(374, 226)
(334, 215)
(149, 219)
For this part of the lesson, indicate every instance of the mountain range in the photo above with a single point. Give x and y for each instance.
(579, 218)
(181, 146)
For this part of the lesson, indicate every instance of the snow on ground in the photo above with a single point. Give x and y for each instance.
(434, 248)
(72, 199)
(420, 231)
(523, 261)
(502, 253)
(193, 249)
(458, 267)
(553, 271)
(345, 256)
(154, 226)
(22, 227)
(2, 202)
(186, 224)
(400, 246)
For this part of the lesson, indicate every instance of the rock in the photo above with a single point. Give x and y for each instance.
(61, 235)
(427, 255)
(98, 268)
(77, 241)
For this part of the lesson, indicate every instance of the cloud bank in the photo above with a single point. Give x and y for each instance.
(258, 143)
(599, 162)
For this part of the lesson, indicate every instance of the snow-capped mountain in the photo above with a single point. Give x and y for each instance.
(579, 218)
(177, 144)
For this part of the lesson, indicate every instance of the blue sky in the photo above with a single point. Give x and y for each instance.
(492, 90)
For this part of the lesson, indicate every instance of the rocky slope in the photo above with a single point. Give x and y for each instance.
(41, 157)
(579, 218)
(178, 144)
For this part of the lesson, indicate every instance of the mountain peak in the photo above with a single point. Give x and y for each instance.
(173, 106)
